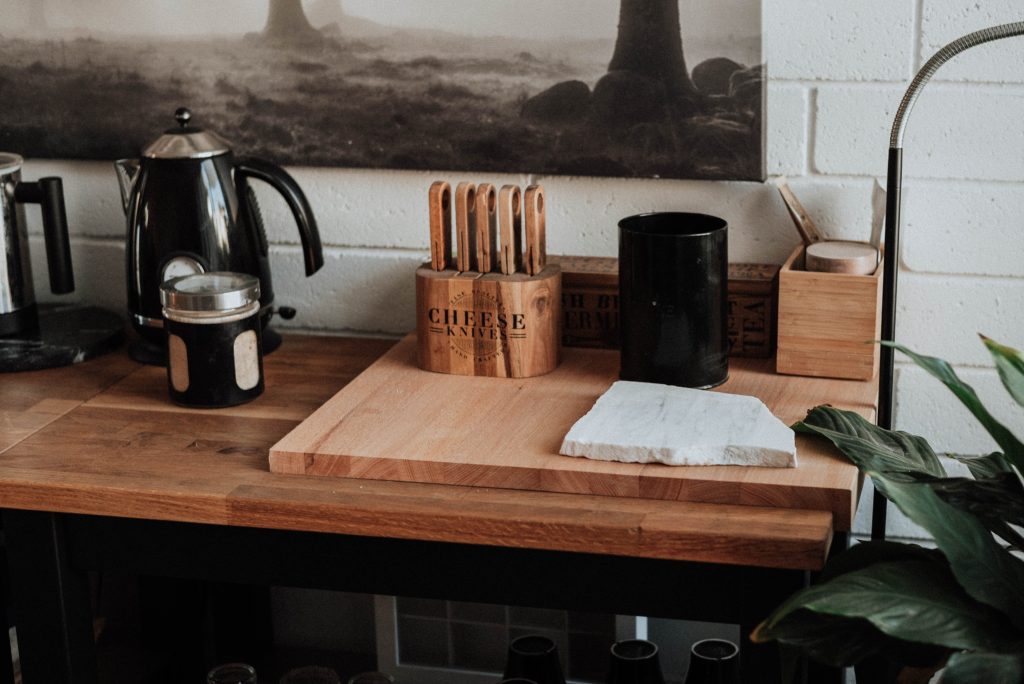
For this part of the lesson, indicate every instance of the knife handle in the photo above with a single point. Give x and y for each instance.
(536, 230)
(510, 214)
(465, 229)
(440, 225)
(486, 228)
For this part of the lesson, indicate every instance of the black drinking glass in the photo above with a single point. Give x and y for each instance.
(635, 661)
(673, 299)
(517, 680)
(232, 673)
(714, 661)
(535, 658)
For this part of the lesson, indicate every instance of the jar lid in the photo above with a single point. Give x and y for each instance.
(217, 291)
(186, 141)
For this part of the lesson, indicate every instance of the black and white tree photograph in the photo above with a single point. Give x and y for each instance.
(621, 88)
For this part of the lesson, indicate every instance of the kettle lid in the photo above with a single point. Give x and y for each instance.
(185, 141)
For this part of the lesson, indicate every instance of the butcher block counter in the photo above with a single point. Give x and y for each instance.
(99, 470)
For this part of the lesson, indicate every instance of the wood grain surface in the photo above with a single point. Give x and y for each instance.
(128, 452)
(828, 322)
(395, 422)
(494, 325)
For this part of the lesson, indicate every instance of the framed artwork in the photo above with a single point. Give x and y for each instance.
(624, 88)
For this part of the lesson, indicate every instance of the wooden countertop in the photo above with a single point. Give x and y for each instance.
(102, 438)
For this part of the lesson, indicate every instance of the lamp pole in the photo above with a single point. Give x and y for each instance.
(892, 226)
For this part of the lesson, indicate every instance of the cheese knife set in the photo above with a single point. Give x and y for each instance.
(491, 307)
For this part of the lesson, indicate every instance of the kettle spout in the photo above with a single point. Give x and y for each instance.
(127, 170)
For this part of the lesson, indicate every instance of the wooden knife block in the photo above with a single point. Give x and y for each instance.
(504, 326)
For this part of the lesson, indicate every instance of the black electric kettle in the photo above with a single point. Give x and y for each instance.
(190, 209)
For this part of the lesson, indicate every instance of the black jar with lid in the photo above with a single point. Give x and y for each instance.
(214, 345)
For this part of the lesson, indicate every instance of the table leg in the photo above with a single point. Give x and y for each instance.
(52, 612)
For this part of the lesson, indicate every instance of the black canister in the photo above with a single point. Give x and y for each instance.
(673, 299)
(214, 346)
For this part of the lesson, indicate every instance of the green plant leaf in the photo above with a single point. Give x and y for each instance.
(1010, 365)
(870, 447)
(842, 642)
(986, 570)
(985, 466)
(1011, 446)
(990, 668)
(911, 600)
(997, 501)
(864, 554)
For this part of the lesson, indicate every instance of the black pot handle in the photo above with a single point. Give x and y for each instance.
(49, 194)
(268, 172)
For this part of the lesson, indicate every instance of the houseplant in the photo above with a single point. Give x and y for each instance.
(958, 607)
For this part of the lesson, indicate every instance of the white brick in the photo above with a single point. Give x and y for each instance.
(361, 208)
(853, 40)
(841, 208)
(967, 228)
(99, 273)
(925, 407)
(946, 20)
(788, 110)
(91, 196)
(356, 290)
(955, 132)
(942, 316)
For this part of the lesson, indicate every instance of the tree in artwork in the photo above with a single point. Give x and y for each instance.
(287, 22)
(650, 43)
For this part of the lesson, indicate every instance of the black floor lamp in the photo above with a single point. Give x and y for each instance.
(892, 226)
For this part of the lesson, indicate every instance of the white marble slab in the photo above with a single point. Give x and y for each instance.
(639, 422)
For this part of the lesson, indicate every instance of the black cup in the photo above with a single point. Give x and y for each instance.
(714, 661)
(534, 658)
(635, 661)
(517, 680)
(673, 299)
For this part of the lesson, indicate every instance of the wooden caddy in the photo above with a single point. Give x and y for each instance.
(828, 322)
(498, 312)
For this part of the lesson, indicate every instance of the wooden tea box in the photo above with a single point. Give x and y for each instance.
(590, 304)
(828, 322)
(753, 290)
(590, 301)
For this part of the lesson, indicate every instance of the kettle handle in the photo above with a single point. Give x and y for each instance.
(49, 194)
(252, 167)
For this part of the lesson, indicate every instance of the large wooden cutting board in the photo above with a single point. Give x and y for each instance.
(397, 422)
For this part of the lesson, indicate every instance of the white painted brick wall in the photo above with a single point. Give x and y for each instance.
(838, 70)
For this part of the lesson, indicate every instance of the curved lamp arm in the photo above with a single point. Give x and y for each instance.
(892, 225)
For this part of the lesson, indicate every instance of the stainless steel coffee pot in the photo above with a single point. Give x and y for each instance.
(190, 209)
(18, 311)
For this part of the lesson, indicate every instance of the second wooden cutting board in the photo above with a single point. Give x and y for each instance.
(396, 422)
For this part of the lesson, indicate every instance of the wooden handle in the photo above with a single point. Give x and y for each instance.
(465, 230)
(510, 213)
(809, 232)
(486, 228)
(440, 225)
(536, 230)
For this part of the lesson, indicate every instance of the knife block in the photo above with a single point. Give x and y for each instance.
(494, 325)
(828, 322)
